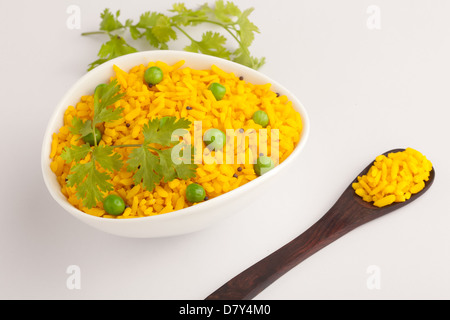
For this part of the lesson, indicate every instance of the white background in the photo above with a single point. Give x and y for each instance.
(366, 91)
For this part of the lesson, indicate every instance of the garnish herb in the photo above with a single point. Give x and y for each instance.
(152, 164)
(159, 29)
(151, 161)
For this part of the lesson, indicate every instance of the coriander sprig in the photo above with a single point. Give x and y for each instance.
(105, 95)
(151, 161)
(153, 165)
(159, 29)
(90, 182)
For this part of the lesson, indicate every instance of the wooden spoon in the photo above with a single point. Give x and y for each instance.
(349, 212)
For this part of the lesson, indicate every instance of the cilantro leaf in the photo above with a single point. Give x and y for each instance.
(152, 165)
(186, 170)
(91, 183)
(105, 96)
(163, 30)
(226, 12)
(106, 157)
(96, 63)
(246, 28)
(148, 19)
(146, 165)
(243, 57)
(78, 173)
(92, 189)
(75, 153)
(109, 114)
(115, 47)
(212, 43)
(109, 21)
(153, 40)
(81, 127)
(160, 130)
(190, 17)
(170, 171)
(135, 33)
(111, 49)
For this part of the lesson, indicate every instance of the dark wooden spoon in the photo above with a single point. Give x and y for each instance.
(349, 212)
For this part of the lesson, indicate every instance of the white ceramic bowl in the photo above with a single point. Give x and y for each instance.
(189, 219)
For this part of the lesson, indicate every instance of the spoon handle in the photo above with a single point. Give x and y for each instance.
(343, 217)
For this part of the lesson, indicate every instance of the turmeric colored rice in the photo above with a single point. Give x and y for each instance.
(181, 87)
(394, 178)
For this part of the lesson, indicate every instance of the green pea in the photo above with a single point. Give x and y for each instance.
(217, 90)
(114, 205)
(153, 75)
(263, 164)
(214, 139)
(89, 138)
(261, 118)
(195, 193)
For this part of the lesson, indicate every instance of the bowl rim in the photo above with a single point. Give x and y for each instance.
(155, 55)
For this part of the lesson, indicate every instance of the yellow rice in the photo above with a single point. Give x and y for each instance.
(394, 178)
(180, 87)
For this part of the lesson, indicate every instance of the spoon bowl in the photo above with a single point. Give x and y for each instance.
(349, 212)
